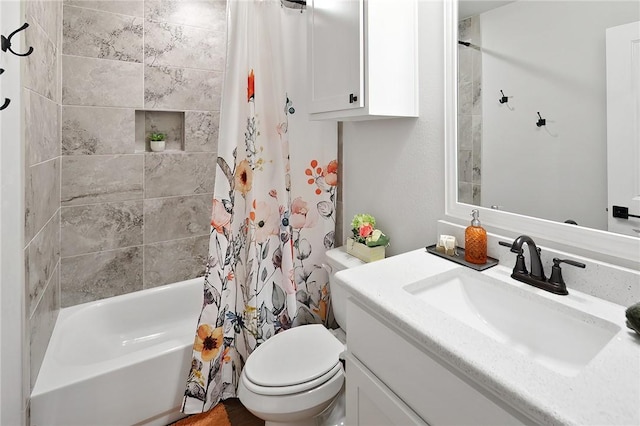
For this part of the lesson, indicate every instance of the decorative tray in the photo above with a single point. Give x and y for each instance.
(459, 258)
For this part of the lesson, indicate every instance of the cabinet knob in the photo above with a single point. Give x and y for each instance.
(352, 98)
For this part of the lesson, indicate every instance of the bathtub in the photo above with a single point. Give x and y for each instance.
(119, 361)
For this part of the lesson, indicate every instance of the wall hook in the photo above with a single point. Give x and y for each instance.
(504, 99)
(1, 71)
(7, 101)
(6, 42)
(542, 121)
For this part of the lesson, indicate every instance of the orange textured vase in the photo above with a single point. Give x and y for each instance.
(475, 241)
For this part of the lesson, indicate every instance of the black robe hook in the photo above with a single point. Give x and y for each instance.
(541, 122)
(6, 103)
(503, 99)
(6, 42)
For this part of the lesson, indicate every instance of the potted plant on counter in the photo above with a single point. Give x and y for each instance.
(367, 243)
(157, 141)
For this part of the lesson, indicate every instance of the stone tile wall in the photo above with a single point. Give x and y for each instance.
(470, 113)
(132, 219)
(41, 100)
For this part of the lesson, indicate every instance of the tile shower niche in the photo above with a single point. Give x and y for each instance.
(170, 123)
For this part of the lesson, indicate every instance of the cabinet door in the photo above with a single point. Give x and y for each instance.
(336, 54)
(371, 403)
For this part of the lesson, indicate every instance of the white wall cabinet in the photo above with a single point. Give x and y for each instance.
(391, 378)
(362, 59)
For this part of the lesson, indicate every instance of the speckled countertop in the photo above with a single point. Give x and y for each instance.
(604, 392)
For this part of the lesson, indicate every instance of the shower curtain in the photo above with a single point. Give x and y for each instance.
(274, 202)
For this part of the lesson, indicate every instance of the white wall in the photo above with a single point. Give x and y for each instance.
(394, 169)
(14, 389)
(548, 57)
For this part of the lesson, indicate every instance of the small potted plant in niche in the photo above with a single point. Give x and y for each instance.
(157, 141)
(367, 243)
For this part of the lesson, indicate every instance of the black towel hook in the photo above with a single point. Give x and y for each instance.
(6, 103)
(6, 42)
(542, 121)
(504, 99)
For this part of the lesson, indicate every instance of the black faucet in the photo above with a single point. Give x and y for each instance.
(536, 278)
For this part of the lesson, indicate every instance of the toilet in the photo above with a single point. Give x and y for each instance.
(296, 377)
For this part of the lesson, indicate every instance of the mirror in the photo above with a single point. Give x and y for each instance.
(532, 107)
(546, 142)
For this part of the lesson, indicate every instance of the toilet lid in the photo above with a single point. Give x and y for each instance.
(336, 372)
(296, 356)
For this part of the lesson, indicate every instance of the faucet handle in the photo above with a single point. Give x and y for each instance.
(556, 271)
(520, 267)
(557, 262)
(510, 245)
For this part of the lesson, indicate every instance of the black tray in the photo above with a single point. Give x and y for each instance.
(459, 258)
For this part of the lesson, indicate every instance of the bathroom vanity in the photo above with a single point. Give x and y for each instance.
(432, 342)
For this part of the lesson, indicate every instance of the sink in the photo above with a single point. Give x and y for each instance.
(554, 335)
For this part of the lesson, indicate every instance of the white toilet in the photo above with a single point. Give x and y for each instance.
(295, 376)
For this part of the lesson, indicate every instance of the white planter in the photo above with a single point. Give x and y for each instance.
(364, 252)
(157, 146)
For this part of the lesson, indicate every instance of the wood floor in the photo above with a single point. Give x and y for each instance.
(229, 412)
(240, 416)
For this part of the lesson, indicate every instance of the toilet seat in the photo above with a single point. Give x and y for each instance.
(301, 387)
(296, 360)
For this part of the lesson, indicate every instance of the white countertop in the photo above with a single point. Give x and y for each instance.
(605, 392)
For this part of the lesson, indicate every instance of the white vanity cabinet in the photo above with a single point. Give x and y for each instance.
(362, 59)
(370, 402)
(393, 381)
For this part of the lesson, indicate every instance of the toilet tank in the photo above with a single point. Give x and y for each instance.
(338, 259)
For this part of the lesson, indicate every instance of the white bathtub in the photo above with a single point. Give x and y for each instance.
(119, 361)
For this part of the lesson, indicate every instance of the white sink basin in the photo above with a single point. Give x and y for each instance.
(559, 337)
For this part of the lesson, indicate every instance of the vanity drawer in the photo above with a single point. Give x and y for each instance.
(431, 390)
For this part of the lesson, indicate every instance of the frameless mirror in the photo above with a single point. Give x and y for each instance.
(544, 102)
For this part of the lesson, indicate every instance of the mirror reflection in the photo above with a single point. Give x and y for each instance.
(544, 102)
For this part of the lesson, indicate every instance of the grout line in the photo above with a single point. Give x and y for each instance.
(29, 89)
(136, 108)
(142, 246)
(144, 215)
(142, 109)
(103, 59)
(58, 210)
(102, 251)
(45, 161)
(56, 269)
(103, 11)
(133, 200)
(130, 154)
(143, 63)
(46, 35)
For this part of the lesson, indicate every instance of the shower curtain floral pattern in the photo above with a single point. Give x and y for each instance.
(271, 223)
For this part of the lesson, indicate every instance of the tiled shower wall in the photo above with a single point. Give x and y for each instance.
(470, 113)
(41, 102)
(132, 219)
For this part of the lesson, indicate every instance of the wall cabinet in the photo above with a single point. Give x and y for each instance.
(362, 59)
(389, 375)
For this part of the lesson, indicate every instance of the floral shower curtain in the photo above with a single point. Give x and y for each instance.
(274, 203)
